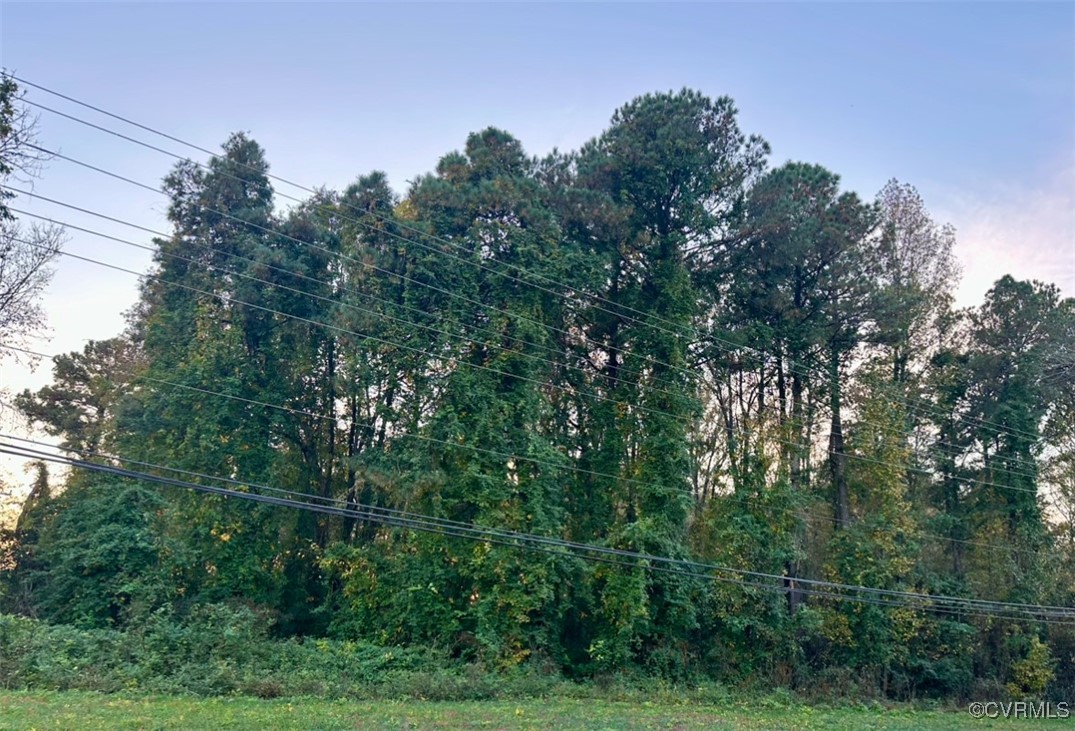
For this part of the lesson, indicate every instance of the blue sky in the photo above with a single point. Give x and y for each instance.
(949, 94)
(972, 103)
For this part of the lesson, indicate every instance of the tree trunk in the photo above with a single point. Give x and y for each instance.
(797, 431)
(837, 458)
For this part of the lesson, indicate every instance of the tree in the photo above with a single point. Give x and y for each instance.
(675, 167)
(916, 275)
(801, 291)
(19, 155)
(917, 272)
(82, 402)
(1018, 335)
(1000, 406)
(25, 253)
(879, 547)
(491, 461)
(781, 261)
(206, 321)
(95, 556)
(19, 565)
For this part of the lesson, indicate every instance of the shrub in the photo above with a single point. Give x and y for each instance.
(1032, 674)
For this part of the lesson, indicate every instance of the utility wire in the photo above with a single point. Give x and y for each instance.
(731, 344)
(257, 226)
(231, 300)
(299, 275)
(804, 516)
(320, 208)
(227, 299)
(270, 230)
(365, 336)
(727, 344)
(724, 497)
(380, 231)
(448, 532)
(523, 540)
(850, 456)
(727, 497)
(597, 395)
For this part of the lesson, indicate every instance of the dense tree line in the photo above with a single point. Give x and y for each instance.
(658, 343)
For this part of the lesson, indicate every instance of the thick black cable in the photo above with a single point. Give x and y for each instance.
(346, 502)
(471, 529)
(954, 605)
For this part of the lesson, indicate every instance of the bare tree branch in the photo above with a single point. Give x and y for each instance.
(25, 254)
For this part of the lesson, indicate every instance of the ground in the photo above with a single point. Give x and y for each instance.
(76, 710)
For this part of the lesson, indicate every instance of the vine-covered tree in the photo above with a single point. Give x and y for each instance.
(653, 344)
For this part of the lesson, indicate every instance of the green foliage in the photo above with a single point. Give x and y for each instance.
(96, 555)
(9, 97)
(651, 344)
(86, 394)
(214, 650)
(1032, 675)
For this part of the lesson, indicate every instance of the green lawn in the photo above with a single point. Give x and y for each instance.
(77, 710)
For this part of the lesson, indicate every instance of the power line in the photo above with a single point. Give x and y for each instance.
(315, 280)
(336, 328)
(576, 391)
(314, 245)
(804, 516)
(687, 371)
(729, 344)
(227, 299)
(369, 227)
(481, 532)
(417, 521)
(327, 250)
(448, 532)
(231, 300)
(735, 497)
(851, 456)
(270, 230)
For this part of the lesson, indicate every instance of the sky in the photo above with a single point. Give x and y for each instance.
(972, 103)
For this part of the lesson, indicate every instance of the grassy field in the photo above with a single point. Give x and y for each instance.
(75, 710)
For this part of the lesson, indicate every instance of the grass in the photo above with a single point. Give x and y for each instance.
(82, 710)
